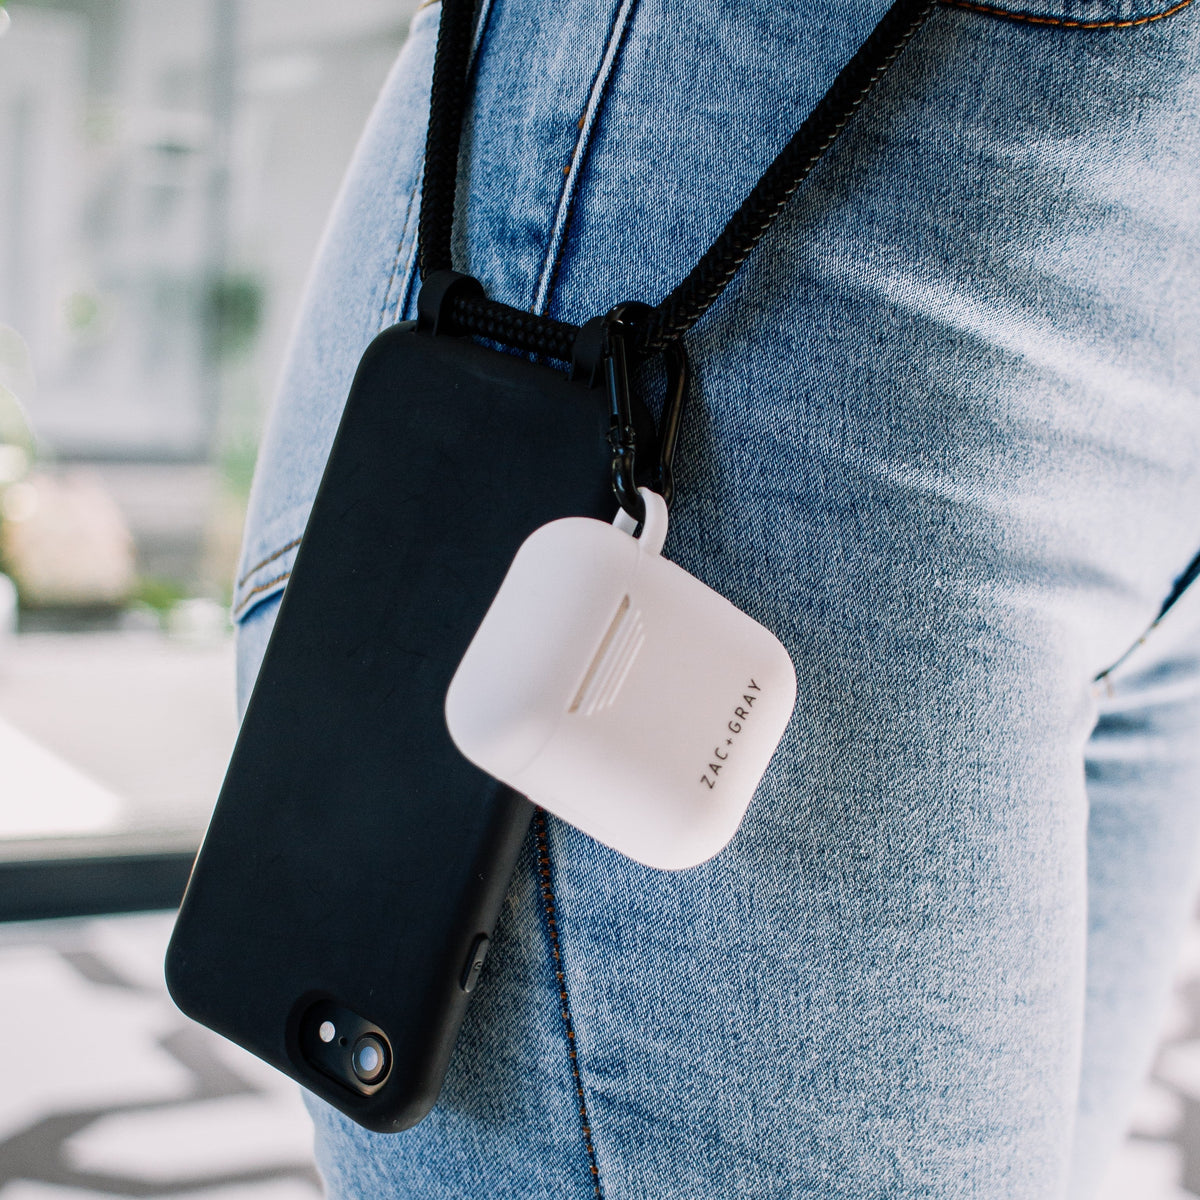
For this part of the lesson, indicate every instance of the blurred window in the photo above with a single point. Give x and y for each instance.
(165, 172)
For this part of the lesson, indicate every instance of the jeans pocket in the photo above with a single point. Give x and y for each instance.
(266, 562)
(1076, 14)
(265, 568)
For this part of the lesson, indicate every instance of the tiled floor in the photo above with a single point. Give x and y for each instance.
(108, 1093)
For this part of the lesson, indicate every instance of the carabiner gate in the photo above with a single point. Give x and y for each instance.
(622, 434)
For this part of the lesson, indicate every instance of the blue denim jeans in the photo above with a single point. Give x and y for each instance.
(945, 442)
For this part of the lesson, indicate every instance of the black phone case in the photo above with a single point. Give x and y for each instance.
(354, 855)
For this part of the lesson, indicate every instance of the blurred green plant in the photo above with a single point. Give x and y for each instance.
(160, 595)
(235, 309)
(237, 466)
(83, 312)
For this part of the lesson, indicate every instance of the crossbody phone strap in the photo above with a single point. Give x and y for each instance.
(652, 329)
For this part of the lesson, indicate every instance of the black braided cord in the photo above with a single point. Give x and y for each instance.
(514, 327)
(692, 298)
(447, 104)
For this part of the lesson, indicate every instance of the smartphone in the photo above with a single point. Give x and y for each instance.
(340, 906)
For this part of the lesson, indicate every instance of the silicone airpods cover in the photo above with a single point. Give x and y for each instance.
(622, 694)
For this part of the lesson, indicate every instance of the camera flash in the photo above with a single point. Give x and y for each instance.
(326, 1032)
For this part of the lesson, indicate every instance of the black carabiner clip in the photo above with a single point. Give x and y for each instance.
(622, 433)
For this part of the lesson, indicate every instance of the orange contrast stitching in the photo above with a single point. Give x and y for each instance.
(262, 587)
(1061, 22)
(269, 559)
(543, 848)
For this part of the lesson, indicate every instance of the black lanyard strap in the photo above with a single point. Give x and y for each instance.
(691, 299)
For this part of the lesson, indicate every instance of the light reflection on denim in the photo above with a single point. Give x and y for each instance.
(945, 442)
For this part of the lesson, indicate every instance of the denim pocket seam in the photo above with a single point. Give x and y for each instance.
(1064, 22)
(410, 272)
(548, 909)
(605, 70)
(268, 548)
(258, 566)
(403, 242)
(255, 592)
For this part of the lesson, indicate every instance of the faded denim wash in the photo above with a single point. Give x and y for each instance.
(945, 443)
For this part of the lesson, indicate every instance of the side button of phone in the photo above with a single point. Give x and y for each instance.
(470, 975)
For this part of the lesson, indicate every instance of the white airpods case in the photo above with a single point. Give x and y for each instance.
(622, 694)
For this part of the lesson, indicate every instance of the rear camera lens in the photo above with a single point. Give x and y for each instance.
(369, 1058)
